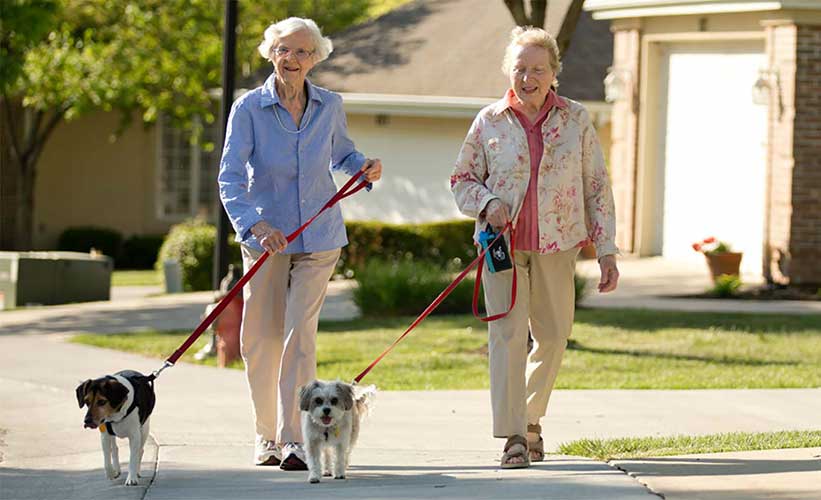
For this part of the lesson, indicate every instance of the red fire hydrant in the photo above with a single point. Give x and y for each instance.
(227, 327)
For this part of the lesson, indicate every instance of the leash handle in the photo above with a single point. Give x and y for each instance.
(344, 192)
(477, 286)
(438, 300)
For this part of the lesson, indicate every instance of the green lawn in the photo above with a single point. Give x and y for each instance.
(148, 277)
(632, 448)
(610, 349)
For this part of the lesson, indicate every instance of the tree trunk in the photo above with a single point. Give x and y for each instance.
(538, 9)
(571, 19)
(25, 132)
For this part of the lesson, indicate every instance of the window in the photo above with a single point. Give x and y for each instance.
(187, 173)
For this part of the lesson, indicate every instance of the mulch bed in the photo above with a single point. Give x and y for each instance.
(765, 292)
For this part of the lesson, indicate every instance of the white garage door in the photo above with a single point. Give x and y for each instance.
(714, 152)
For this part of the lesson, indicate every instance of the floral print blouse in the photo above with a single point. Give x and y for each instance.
(575, 201)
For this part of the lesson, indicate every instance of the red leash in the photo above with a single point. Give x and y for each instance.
(344, 192)
(438, 300)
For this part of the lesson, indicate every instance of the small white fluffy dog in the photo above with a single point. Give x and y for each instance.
(331, 415)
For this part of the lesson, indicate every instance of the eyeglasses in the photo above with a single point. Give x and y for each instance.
(300, 54)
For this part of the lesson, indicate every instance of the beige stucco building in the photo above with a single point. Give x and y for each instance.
(717, 129)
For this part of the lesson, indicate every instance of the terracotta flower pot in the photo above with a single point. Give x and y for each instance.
(723, 263)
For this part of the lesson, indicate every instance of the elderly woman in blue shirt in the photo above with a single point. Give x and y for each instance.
(282, 140)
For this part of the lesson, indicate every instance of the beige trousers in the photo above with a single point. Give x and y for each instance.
(278, 335)
(520, 384)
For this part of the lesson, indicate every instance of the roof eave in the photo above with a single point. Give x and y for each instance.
(439, 106)
(619, 9)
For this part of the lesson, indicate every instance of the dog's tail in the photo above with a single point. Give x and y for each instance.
(364, 398)
(363, 404)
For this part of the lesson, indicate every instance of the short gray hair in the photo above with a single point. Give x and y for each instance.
(528, 35)
(322, 44)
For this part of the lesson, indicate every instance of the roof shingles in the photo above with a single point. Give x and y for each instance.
(454, 48)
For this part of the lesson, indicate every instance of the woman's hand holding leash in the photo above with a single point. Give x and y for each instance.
(271, 238)
(373, 169)
(497, 213)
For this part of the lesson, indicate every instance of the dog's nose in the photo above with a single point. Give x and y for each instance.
(326, 411)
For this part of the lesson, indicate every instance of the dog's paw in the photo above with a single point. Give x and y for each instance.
(313, 479)
(327, 473)
(131, 481)
(112, 473)
(340, 477)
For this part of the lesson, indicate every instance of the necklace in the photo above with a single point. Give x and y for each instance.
(306, 117)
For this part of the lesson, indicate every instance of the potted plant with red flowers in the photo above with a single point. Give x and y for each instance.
(720, 257)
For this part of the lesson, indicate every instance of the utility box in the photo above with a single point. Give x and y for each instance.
(49, 278)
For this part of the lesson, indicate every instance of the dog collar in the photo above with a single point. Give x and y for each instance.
(336, 432)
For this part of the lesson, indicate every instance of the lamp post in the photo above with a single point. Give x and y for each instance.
(228, 70)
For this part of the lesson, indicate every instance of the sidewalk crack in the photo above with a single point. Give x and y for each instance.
(636, 478)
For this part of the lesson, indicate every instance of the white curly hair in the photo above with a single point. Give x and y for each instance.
(273, 33)
(528, 35)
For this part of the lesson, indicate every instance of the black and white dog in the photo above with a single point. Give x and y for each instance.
(120, 405)
(331, 415)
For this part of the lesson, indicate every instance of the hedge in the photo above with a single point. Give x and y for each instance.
(407, 287)
(84, 238)
(438, 242)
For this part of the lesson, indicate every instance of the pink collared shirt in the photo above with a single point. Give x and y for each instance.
(527, 224)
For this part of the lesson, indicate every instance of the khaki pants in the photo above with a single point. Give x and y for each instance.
(520, 384)
(278, 335)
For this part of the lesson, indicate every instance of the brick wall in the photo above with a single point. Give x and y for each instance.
(805, 244)
(794, 233)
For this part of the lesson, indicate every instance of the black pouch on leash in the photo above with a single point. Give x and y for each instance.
(498, 257)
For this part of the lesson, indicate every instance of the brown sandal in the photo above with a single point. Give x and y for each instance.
(515, 447)
(535, 448)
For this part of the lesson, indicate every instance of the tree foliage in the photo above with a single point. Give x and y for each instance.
(60, 59)
(152, 56)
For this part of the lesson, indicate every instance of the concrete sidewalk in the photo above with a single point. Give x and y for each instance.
(660, 284)
(415, 445)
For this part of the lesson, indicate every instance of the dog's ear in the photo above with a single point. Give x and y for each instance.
(115, 392)
(305, 395)
(81, 393)
(345, 395)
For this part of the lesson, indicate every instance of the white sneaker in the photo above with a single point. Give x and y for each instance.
(267, 452)
(293, 457)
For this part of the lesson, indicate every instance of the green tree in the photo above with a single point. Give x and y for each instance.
(60, 59)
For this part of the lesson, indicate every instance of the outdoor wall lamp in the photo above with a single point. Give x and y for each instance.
(617, 83)
(766, 83)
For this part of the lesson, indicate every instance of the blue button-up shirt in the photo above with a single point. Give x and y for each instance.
(284, 176)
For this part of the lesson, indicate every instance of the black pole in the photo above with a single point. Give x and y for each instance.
(228, 70)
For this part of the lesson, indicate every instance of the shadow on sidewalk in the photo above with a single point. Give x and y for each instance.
(394, 482)
(707, 466)
(39, 484)
(161, 317)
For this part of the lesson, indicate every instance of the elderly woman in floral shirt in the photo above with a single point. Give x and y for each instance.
(533, 158)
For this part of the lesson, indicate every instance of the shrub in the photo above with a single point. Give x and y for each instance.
(140, 252)
(726, 285)
(406, 287)
(83, 239)
(192, 245)
(581, 286)
(434, 242)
